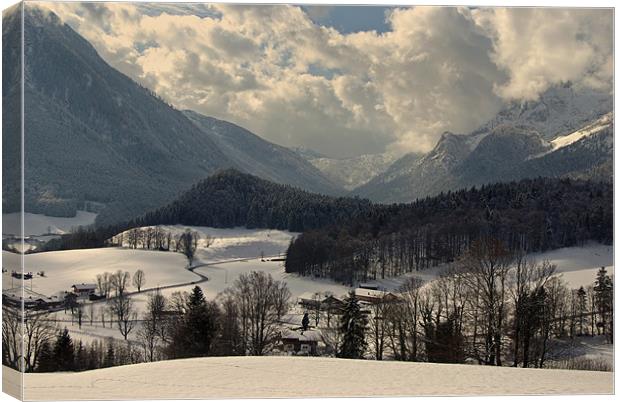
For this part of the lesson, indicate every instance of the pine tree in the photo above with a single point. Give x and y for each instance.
(603, 288)
(46, 362)
(447, 345)
(196, 333)
(305, 322)
(353, 328)
(63, 351)
(81, 358)
(196, 298)
(110, 358)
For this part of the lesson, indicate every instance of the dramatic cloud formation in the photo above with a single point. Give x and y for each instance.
(294, 82)
(541, 47)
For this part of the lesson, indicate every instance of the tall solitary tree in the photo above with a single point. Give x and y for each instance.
(138, 279)
(188, 243)
(353, 328)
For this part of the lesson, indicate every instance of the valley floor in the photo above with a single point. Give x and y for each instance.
(259, 377)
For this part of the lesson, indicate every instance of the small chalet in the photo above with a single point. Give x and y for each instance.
(376, 296)
(332, 304)
(84, 289)
(299, 342)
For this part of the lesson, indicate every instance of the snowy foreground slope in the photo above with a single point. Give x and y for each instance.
(234, 377)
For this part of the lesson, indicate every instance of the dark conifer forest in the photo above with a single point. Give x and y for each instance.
(352, 239)
(530, 215)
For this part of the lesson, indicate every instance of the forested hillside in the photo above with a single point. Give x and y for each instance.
(96, 137)
(230, 198)
(530, 215)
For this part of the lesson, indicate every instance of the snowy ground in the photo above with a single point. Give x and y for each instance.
(223, 275)
(260, 377)
(578, 265)
(38, 224)
(65, 268)
(229, 244)
(233, 252)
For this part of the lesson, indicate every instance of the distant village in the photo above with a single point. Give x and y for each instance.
(306, 339)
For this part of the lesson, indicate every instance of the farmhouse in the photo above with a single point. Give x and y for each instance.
(375, 296)
(300, 342)
(30, 300)
(332, 304)
(84, 289)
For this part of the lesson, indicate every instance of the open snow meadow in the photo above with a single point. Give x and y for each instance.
(287, 377)
(222, 255)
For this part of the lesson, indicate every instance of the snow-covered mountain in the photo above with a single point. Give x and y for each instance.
(352, 172)
(94, 134)
(559, 110)
(567, 132)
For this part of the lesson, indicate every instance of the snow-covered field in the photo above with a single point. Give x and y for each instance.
(232, 252)
(38, 224)
(578, 265)
(223, 275)
(65, 268)
(262, 377)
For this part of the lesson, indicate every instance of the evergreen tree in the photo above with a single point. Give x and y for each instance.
(196, 333)
(46, 362)
(305, 322)
(603, 288)
(447, 345)
(353, 328)
(63, 351)
(110, 358)
(81, 358)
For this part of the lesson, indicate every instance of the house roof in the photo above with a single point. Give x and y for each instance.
(85, 286)
(302, 336)
(376, 294)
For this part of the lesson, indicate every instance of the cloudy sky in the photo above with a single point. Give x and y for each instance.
(348, 80)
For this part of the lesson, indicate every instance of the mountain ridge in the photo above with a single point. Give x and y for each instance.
(94, 134)
(489, 153)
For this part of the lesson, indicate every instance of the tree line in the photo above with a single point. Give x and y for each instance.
(493, 307)
(230, 199)
(242, 320)
(530, 215)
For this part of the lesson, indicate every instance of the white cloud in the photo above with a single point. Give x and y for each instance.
(540, 47)
(272, 70)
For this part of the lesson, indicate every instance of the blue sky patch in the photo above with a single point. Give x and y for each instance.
(350, 19)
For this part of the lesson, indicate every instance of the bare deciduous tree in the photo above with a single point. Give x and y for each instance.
(104, 284)
(121, 308)
(255, 295)
(138, 279)
(153, 327)
(188, 244)
(119, 282)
